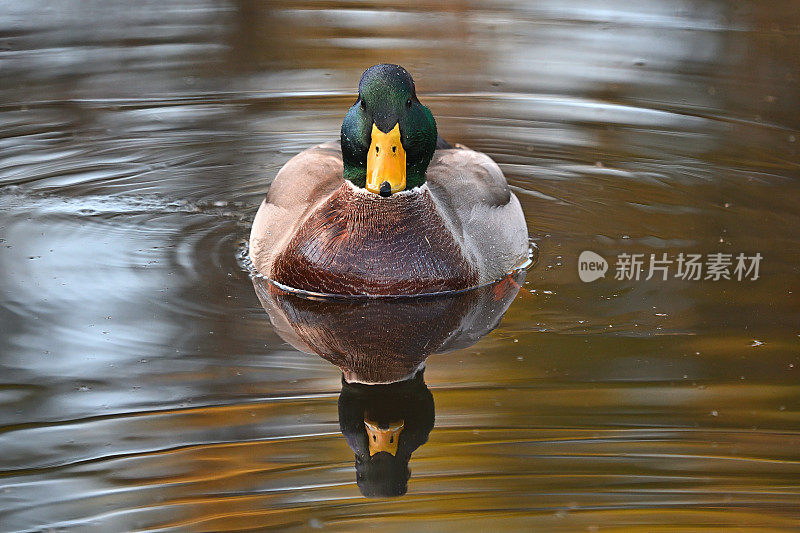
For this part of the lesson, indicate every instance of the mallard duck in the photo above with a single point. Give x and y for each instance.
(391, 209)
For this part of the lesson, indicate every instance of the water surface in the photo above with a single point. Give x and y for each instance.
(143, 386)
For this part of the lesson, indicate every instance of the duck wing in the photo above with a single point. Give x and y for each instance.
(304, 182)
(473, 195)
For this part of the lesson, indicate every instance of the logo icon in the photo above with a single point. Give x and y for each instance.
(591, 266)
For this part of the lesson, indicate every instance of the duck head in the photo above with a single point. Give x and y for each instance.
(388, 136)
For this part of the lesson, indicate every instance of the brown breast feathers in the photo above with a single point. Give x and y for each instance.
(357, 243)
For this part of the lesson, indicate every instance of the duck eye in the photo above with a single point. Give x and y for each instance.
(408, 102)
(363, 104)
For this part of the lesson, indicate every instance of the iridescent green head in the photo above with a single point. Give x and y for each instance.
(388, 136)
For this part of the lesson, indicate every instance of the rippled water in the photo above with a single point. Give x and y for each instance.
(143, 385)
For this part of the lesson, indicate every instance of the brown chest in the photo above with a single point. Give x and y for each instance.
(357, 243)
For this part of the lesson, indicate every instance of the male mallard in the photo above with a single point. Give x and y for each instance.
(392, 209)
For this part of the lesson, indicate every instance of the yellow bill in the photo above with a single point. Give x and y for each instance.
(386, 160)
(383, 440)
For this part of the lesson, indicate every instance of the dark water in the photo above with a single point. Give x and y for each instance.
(143, 387)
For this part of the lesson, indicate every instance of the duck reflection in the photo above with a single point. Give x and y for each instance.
(383, 425)
(386, 410)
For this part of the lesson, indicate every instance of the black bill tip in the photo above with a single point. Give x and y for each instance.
(386, 189)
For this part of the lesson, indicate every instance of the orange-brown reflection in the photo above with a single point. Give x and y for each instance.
(386, 410)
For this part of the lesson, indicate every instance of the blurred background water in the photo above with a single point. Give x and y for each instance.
(142, 386)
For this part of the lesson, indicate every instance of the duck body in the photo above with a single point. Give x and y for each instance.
(391, 209)
(317, 232)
